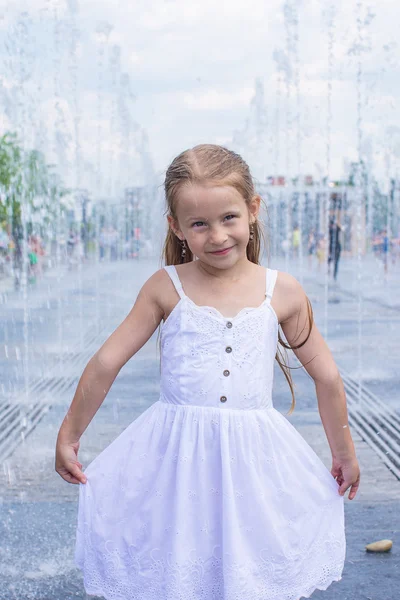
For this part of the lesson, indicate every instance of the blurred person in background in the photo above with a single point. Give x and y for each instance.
(321, 249)
(335, 246)
(295, 241)
(311, 246)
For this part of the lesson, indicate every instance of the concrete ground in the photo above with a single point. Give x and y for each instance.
(38, 509)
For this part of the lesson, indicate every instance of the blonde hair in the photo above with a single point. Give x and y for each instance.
(212, 164)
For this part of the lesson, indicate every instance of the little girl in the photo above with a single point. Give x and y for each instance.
(211, 494)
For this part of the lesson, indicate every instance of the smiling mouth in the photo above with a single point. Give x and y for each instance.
(222, 251)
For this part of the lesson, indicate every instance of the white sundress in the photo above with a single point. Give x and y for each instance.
(211, 493)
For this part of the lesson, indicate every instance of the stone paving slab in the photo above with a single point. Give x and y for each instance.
(38, 509)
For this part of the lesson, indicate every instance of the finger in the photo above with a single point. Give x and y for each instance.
(338, 478)
(67, 476)
(345, 486)
(70, 479)
(353, 491)
(76, 473)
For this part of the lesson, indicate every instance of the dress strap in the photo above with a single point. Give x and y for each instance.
(173, 273)
(271, 275)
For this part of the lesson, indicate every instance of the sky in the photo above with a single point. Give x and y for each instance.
(111, 91)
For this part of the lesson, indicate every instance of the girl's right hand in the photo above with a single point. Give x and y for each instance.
(67, 463)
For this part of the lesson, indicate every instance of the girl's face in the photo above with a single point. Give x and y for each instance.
(214, 219)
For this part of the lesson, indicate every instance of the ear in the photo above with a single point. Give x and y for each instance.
(254, 207)
(174, 225)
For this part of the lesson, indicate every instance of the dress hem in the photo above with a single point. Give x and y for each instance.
(334, 579)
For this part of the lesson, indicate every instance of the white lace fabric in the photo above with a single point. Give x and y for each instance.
(208, 499)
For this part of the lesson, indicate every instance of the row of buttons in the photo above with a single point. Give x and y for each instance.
(228, 349)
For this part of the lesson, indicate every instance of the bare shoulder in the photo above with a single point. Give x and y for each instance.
(289, 296)
(161, 291)
(137, 327)
(155, 285)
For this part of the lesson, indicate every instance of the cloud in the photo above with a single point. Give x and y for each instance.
(192, 68)
(218, 100)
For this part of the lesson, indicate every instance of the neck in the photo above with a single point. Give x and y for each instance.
(229, 274)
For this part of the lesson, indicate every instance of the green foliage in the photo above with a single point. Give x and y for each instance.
(10, 159)
(25, 175)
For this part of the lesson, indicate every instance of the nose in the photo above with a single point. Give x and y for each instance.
(218, 236)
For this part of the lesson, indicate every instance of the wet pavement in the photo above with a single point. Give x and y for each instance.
(38, 509)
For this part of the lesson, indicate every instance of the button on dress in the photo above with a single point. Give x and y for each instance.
(211, 493)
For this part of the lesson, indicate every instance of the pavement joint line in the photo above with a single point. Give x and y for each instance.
(13, 436)
(6, 409)
(379, 418)
(374, 427)
(40, 513)
(16, 429)
(381, 414)
(370, 396)
(359, 426)
(367, 433)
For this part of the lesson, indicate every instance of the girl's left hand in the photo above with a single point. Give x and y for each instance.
(346, 471)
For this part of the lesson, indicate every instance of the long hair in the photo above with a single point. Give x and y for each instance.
(210, 163)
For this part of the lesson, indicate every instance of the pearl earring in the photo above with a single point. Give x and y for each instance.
(251, 237)
(183, 251)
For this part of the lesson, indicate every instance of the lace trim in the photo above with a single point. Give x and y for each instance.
(270, 275)
(130, 575)
(216, 314)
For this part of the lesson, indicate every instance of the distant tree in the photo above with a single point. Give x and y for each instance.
(25, 177)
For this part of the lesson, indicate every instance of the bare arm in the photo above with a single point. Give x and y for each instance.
(101, 371)
(316, 358)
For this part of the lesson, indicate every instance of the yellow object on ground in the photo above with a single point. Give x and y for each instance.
(381, 546)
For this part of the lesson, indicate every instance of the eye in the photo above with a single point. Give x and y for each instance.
(197, 222)
(233, 216)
